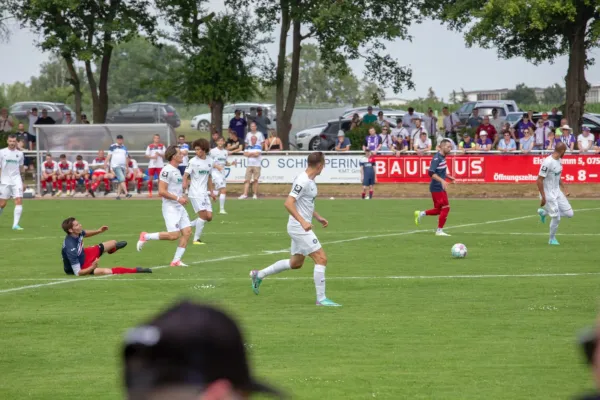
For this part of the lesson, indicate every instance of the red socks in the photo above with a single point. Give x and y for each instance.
(106, 184)
(87, 184)
(122, 270)
(443, 217)
(370, 194)
(363, 195)
(150, 186)
(44, 185)
(139, 183)
(433, 211)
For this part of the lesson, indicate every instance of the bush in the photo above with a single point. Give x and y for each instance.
(357, 135)
(4, 139)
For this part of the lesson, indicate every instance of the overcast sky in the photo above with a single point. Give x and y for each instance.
(438, 58)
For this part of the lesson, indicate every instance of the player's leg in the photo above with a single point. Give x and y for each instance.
(203, 208)
(17, 194)
(3, 197)
(139, 181)
(553, 211)
(255, 184)
(45, 180)
(54, 184)
(444, 206)
(60, 180)
(222, 197)
(112, 246)
(364, 192)
(172, 219)
(186, 232)
(320, 259)
(371, 183)
(86, 181)
(436, 210)
(152, 172)
(108, 178)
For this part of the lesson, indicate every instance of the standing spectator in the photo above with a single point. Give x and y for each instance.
(409, 121)
(547, 122)
(189, 352)
(416, 132)
(355, 123)
(507, 144)
(524, 125)
(68, 119)
(530, 115)
(527, 141)
(45, 119)
(238, 124)
(26, 142)
(213, 138)
(253, 166)
(84, 119)
(380, 120)
(32, 116)
(541, 133)
(430, 122)
(155, 152)
(262, 122)
(484, 143)
(118, 158)
(399, 131)
(567, 137)
(369, 117)
(423, 144)
(467, 144)
(273, 143)
(372, 141)
(451, 122)
(488, 128)
(496, 121)
(385, 138)
(585, 141)
(551, 141)
(474, 120)
(184, 149)
(6, 121)
(367, 174)
(233, 144)
(343, 143)
(254, 133)
(554, 112)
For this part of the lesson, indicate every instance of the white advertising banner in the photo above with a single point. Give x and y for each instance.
(284, 168)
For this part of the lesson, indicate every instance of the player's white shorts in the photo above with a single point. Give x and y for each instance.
(557, 204)
(219, 181)
(176, 218)
(303, 242)
(11, 191)
(201, 203)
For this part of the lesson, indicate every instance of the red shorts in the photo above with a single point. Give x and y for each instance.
(440, 199)
(49, 179)
(153, 172)
(91, 254)
(98, 174)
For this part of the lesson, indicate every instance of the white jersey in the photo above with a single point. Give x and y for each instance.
(551, 170)
(65, 167)
(174, 180)
(304, 190)
(11, 162)
(98, 164)
(219, 157)
(199, 171)
(81, 167)
(132, 167)
(153, 150)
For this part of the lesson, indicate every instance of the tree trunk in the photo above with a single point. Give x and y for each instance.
(103, 83)
(75, 82)
(216, 115)
(286, 125)
(93, 89)
(282, 125)
(576, 84)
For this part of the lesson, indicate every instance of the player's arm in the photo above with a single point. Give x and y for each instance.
(95, 232)
(107, 160)
(290, 206)
(149, 154)
(211, 188)
(362, 172)
(163, 189)
(540, 183)
(432, 168)
(186, 179)
(76, 267)
(563, 188)
(321, 220)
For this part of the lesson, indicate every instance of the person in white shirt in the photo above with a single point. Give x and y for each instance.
(430, 122)
(81, 170)
(300, 204)
(253, 153)
(11, 185)
(399, 131)
(49, 174)
(65, 175)
(219, 175)
(100, 174)
(423, 144)
(32, 116)
(542, 132)
(415, 134)
(253, 132)
(199, 172)
(170, 188)
(585, 140)
(184, 148)
(6, 121)
(554, 201)
(118, 158)
(409, 119)
(155, 153)
(134, 172)
(451, 123)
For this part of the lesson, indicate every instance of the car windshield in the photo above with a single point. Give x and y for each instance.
(483, 111)
(513, 117)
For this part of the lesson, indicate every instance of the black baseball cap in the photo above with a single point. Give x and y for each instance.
(119, 136)
(188, 344)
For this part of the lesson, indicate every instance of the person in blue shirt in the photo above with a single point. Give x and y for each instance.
(80, 261)
(367, 174)
(238, 124)
(438, 172)
(118, 158)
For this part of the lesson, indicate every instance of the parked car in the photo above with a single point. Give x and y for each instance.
(513, 118)
(307, 139)
(55, 110)
(202, 121)
(144, 113)
(387, 113)
(465, 111)
(330, 132)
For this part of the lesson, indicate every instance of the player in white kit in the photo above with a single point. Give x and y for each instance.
(219, 177)
(554, 201)
(300, 204)
(200, 191)
(170, 188)
(11, 184)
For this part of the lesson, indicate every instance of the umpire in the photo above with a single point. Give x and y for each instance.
(189, 352)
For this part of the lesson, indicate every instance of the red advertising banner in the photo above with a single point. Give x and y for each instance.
(486, 168)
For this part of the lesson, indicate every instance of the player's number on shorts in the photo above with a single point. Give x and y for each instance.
(581, 175)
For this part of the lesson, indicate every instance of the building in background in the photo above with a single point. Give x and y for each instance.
(592, 96)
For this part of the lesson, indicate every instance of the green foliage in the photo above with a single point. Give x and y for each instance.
(554, 94)
(522, 94)
(357, 135)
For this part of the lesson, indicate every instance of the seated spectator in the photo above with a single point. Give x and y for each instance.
(399, 145)
(467, 144)
(585, 140)
(484, 143)
(423, 144)
(84, 119)
(567, 137)
(343, 143)
(541, 133)
(550, 141)
(369, 117)
(273, 143)
(68, 119)
(527, 141)
(372, 141)
(507, 144)
(386, 138)
(505, 128)
(355, 123)
(487, 127)
(233, 144)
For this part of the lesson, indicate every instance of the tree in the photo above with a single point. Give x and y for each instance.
(463, 95)
(453, 97)
(554, 94)
(5, 18)
(343, 30)
(371, 93)
(522, 95)
(538, 30)
(431, 97)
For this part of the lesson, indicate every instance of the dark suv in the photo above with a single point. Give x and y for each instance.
(329, 135)
(144, 113)
(55, 110)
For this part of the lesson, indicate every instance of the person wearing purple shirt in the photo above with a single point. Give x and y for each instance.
(373, 141)
(524, 125)
(551, 141)
(597, 148)
(238, 125)
(484, 143)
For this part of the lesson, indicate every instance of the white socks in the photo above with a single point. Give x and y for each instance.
(554, 227)
(199, 227)
(17, 215)
(222, 201)
(422, 214)
(279, 266)
(178, 254)
(152, 236)
(1, 209)
(319, 277)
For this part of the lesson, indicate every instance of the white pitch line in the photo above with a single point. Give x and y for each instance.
(528, 233)
(20, 288)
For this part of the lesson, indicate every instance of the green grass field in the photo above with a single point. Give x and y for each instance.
(415, 323)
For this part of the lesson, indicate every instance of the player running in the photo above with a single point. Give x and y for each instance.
(554, 201)
(100, 174)
(438, 172)
(81, 261)
(81, 170)
(219, 176)
(170, 188)
(367, 174)
(65, 175)
(300, 204)
(199, 171)
(49, 173)
(155, 152)
(11, 184)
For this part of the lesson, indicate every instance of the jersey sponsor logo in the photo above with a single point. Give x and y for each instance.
(297, 189)
(315, 241)
(203, 171)
(16, 161)
(544, 169)
(164, 174)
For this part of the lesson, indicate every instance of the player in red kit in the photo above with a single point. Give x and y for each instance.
(100, 174)
(81, 170)
(65, 175)
(49, 174)
(155, 152)
(135, 173)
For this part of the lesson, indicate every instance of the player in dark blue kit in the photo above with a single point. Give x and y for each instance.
(80, 261)
(367, 174)
(438, 172)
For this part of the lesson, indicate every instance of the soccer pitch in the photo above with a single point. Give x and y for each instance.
(415, 323)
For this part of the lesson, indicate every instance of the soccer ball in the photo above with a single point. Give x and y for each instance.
(459, 250)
